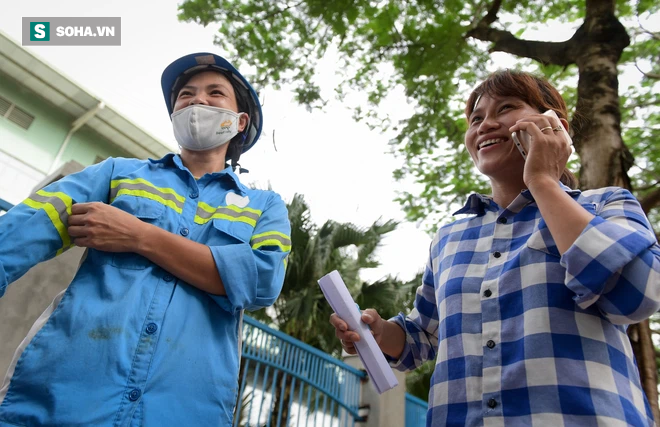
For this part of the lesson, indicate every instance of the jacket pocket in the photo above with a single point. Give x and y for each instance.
(226, 232)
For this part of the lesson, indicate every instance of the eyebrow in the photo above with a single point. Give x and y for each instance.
(211, 86)
(478, 110)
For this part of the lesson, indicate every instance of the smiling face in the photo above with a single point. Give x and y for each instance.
(209, 88)
(488, 139)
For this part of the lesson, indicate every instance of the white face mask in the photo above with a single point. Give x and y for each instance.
(201, 127)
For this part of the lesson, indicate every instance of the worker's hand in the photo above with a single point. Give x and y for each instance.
(348, 338)
(104, 227)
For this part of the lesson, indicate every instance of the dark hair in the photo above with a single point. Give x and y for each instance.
(533, 90)
(235, 148)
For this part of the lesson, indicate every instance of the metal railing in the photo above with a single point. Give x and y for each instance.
(415, 411)
(285, 382)
(5, 205)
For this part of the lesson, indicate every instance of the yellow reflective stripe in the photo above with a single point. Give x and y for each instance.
(68, 202)
(210, 209)
(116, 182)
(55, 219)
(206, 213)
(271, 238)
(270, 233)
(148, 195)
(272, 242)
(200, 220)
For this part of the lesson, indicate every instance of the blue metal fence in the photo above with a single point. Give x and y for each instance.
(285, 382)
(415, 411)
(5, 205)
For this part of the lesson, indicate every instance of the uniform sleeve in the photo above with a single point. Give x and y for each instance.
(253, 273)
(35, 230)
(420, 326)
(615, 262)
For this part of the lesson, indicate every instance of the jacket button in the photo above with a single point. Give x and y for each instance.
(490, 343)
(487, 293)
(194, 195)
(502, 220)
(168, 278)
(152, 328)
(184, 232)
(492, 403)
(497, 254)
(134, 394)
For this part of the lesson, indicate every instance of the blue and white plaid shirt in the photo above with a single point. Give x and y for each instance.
(524, 336)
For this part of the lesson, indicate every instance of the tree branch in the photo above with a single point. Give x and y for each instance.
(649, 75)
(505, 41)
(647, 187)
(651, 200)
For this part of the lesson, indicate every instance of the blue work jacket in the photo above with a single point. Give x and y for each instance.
(127, 343)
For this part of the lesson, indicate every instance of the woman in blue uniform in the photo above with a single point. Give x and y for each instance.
(148, 331)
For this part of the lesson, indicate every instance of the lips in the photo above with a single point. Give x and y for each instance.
(489, 142)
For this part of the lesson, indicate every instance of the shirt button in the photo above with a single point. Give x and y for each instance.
(490, 343)
(487, 293)
(168, 278)
(492, 403)
(194, 195)
(502, 220)
(496, 254)
(134, 394)
(184, 232)
(152, 328)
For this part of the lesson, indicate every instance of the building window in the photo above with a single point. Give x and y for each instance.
(15, 114)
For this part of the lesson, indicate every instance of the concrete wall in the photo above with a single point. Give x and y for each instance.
(29, 296)
(387, 409)
(37, 146)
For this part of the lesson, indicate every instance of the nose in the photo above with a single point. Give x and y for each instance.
(199, 98)
(488, 124)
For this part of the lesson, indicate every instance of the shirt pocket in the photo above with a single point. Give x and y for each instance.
(224, 232)
(541, 239)
(146, 210)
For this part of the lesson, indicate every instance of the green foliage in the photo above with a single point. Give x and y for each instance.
(425, 48)
(422, 47)
(301, 310)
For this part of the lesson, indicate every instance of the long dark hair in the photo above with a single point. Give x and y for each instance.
(533, 90)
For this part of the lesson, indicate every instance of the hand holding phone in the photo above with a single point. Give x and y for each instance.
(522, 139)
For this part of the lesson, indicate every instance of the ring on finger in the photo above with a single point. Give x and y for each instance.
(546, 128)
(557, 129)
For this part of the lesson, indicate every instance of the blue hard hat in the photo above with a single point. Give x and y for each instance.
(197, 62)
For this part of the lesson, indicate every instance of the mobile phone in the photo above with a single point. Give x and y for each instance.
(522, 140)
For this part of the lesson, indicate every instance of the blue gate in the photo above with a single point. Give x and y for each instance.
(5, 205)
(285, 382)
(415, 411)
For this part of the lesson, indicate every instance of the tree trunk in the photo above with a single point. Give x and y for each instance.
(599, 42)
(605, 158)
(642, 345)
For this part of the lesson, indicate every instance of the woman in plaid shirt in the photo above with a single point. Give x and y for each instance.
(526, 300)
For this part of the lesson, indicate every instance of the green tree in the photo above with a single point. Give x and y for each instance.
(436, 51)
(301, 310)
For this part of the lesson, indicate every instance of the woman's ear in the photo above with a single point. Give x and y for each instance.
(565, 124)
(243, 121)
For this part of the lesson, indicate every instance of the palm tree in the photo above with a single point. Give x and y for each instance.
(301, 310)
